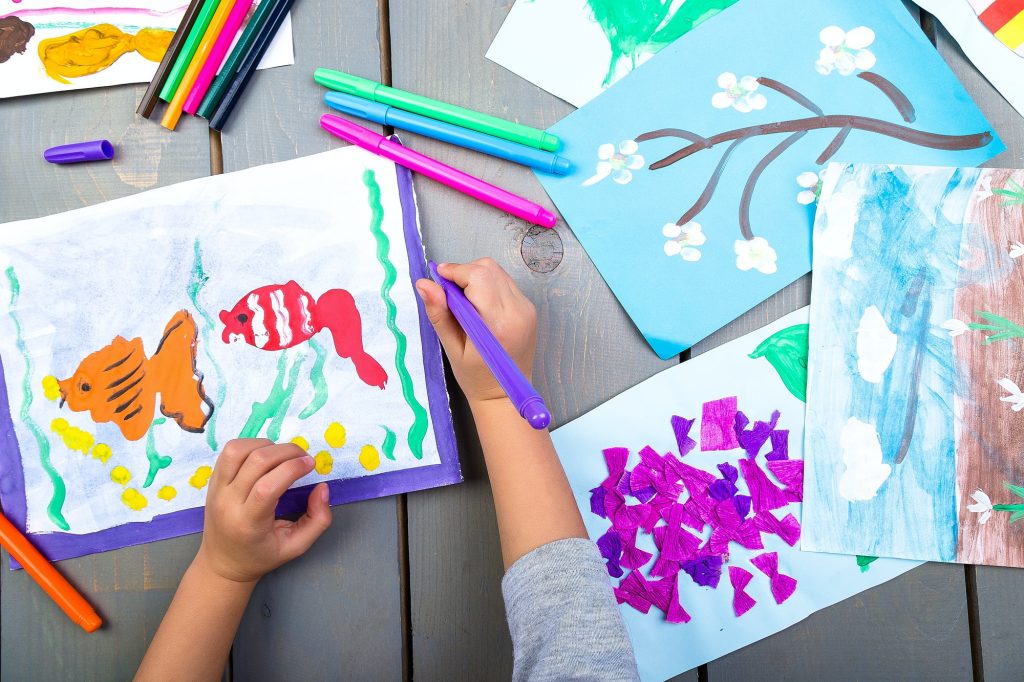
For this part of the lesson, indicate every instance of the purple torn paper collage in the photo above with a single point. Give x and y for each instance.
(691, 486)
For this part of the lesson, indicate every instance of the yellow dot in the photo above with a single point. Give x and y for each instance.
(369, 457)
(201, 477)
(102, 452)
(134, 500)
(85, 442)
(301, 442)
(167, 493)
(324, 462)
(120, 475)
(59, 425)
(335, 435)
(51, 389)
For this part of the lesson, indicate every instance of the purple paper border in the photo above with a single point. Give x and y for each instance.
(57, 546)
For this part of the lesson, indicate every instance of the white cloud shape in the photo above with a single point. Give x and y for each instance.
(876, 346)
(862, 454)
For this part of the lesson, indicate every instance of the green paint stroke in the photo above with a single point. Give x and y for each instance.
(1013, 193)
(156, 460)
(418, 430)
(643, 27)
(786, 350)
(390, 440)
(56, 505)
(316, 377)
(1004, 329)
(1017, 509)
(864, 562)
(197, 281)
(276, 405)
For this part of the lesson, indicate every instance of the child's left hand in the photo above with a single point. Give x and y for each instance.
(242, 540)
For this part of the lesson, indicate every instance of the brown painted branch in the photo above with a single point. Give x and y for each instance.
(895, 95)
(789, 92)
(867, 124)
(755, 175)
(670, 132)
(833, 146)
(712, 185)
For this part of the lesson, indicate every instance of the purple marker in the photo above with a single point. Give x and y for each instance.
(526, 399)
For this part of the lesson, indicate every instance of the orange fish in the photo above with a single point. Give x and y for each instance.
(119, 384)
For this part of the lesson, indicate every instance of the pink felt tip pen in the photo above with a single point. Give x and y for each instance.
(216, 57)
(456, 179)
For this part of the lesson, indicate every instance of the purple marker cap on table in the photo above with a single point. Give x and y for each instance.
(526, 399)
(94, 150)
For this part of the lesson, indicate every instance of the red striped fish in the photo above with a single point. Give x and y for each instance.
(276, 317)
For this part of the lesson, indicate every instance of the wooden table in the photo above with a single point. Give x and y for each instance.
(410, 586)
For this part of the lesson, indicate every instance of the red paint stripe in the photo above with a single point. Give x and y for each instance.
(1000, 12)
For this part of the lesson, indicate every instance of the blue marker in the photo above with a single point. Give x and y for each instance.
(446, 132)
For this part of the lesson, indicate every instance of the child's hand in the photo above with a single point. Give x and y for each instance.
(504, 309)
(242, 540)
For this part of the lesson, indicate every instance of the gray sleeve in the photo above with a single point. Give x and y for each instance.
(562, 614)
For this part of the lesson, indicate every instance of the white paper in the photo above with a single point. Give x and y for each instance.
(124, 268)
(1003, 67)
(22, 73)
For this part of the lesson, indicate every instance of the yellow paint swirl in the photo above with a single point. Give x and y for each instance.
(74, 438)
(95, 48)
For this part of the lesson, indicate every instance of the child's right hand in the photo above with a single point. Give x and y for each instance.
(509, 315)
(242, 540)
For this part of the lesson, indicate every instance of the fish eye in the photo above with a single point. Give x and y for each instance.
(242, 317)
(86, 387)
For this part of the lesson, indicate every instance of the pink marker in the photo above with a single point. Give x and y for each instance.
(217, 55)
(456, 179)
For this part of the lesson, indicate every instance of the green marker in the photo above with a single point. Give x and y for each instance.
(234, 60)
(188, 50)
(449, 113)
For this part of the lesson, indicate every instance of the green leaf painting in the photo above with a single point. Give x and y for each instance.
(786, 350)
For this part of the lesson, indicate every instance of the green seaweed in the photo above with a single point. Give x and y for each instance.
(1017, 509)
(786, 350)
(156, 460)
(56, 505)
(864, 562)
(197, 281)
(390, 440)
(274, 408)
(1004, 328)
(641, 27)
(1013, 194)
(418, 430)
(316, 377)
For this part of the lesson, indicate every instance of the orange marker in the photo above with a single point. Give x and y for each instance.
(173, 111)
(43, 572)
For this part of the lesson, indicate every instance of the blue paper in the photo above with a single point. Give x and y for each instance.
(846, 58)
(643, 416)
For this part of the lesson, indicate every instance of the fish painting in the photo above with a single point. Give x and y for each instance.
(119, 384)
(277, 317)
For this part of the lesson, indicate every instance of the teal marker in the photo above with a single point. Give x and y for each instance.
(431, 108)
(188, 50)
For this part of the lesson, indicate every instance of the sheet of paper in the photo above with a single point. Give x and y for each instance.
(914, 424)
(67, 45)
(140, 335)
(575, 50)
(991, 33)
(696, 175)
(694, 418)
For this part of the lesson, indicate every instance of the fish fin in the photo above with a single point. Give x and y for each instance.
(175, 376)
(336, 310)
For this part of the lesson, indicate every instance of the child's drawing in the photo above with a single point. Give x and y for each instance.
(915, 364)
(109, 443)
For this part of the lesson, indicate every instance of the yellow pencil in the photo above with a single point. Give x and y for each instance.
(173, 112)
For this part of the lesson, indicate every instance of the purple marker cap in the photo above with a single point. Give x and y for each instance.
(524, 396)
(95, 150)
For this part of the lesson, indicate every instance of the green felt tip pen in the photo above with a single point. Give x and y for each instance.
(188, 50)
(449, 113)
(227, 72)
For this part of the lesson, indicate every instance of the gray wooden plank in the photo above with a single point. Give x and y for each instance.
(1001, 659)
(336, 612)
(131, 587)
(588, 350)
